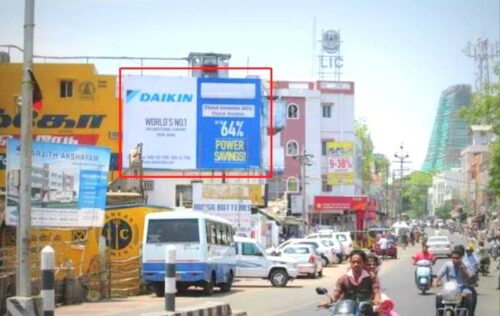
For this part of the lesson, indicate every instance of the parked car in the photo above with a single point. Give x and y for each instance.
(345, 239)
(252, 262)
(308, 260)
(439, 245)
(327, 253)
(330, 241)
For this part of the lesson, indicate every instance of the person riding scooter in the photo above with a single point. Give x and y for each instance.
(424, 260)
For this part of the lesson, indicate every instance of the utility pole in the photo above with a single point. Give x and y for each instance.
(23, 279)
(305, 161)
(402, 156)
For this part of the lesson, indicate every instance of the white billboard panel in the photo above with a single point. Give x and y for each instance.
(160, 113)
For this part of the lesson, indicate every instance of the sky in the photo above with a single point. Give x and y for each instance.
(401, 54)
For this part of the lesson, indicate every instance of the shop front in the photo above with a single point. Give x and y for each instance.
(341, 213)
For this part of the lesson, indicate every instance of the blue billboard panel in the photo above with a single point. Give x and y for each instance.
(228, 123)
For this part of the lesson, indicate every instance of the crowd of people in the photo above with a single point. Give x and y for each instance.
(361, 282)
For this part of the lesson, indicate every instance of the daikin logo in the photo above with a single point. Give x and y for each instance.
(159, 97)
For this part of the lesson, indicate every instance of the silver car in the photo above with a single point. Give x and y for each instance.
(308, 260)
(439, 245)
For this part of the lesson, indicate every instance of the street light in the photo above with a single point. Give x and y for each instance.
(402, 156)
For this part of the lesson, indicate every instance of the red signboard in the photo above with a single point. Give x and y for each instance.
(332, 203)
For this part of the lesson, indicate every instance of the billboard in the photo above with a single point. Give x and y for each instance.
(230, 201)
(340, 157)
(68, 188)
(192, 123)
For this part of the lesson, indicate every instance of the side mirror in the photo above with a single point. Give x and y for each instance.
(321, 290)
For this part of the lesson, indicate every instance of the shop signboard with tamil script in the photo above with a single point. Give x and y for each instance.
(68, 187)
(192, 123)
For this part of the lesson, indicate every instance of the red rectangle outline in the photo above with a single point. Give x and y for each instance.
(120, 127)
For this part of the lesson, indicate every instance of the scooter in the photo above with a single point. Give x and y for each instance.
(423, 275)
(451, 301)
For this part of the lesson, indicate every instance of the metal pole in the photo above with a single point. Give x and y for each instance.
(23, 277)
(47, 292)
(170, 288)
(304, 202)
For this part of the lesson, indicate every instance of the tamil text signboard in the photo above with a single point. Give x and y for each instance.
(69, 184)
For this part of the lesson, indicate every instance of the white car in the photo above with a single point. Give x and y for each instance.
(308, 260)
(252, 262)
(327, 253)
(439, 245)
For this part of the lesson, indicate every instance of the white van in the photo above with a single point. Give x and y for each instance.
(252, 262)
(205, 252)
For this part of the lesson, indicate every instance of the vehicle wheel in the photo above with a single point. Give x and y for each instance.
(320, 273)
(226, 287)
(324, 261)
(159, 289)
(423, 291)
(182, 288)
(208, 287)
(279, 278)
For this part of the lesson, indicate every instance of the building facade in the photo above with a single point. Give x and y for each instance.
(449, 133)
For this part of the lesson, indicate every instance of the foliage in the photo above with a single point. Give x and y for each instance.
(485, 110)
(415, 187)
(444, 210)
(367, 155)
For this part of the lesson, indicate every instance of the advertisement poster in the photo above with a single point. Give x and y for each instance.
(229, 119)
(230, 201)
(192, 123)
(160, 113)
(69, 184)
(340, 163)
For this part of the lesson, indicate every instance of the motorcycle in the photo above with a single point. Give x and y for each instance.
(347, 307)
(423, 275)
(494, 250)
(353, 308)
(452, 301)
(484, 266)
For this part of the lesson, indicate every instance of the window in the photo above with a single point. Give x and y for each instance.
(327, 110)
(66, 89)
(249, 249)
(292, 148)
(292, 185)
(293, 111)
(173, 230)
(325, 187)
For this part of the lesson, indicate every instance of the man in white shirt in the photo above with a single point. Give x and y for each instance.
(383, 243)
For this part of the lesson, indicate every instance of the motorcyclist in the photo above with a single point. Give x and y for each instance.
(456, 270)
(356, 284)
(483, 255)
(472, 262)
(425, 254)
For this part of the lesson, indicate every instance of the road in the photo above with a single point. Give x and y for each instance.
(257, 297)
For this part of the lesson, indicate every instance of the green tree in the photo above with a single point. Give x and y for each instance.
(415, 187)
(367, 157)
(444, 210)
(485, 109)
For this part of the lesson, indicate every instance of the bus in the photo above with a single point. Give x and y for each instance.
(205, 251)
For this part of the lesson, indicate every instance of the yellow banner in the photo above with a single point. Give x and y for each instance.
(340, 163)
(252, 192)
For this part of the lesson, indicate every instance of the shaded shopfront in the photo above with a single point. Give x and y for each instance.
(344, 213)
